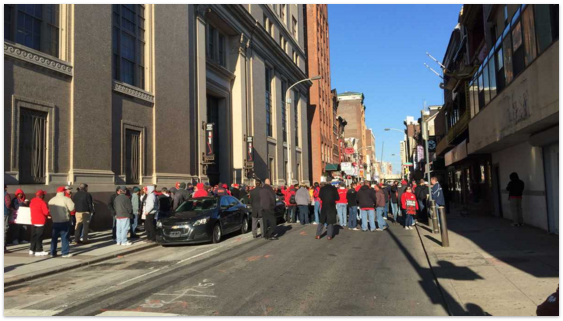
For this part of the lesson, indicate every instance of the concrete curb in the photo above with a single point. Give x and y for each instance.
(63, 268)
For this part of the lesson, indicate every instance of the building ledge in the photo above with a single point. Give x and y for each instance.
(272, 140)
(132, 91)
(37, 58)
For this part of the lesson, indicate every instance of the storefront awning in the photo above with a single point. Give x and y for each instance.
(456, 154)
(331, 167)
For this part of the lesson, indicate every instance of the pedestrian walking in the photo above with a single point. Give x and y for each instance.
(150, 210)
(7, 209)
(437, 196)
(328, 195)
(123, 213)
(60, 207)
(380, 208)
(515, 190)
(366, 202)
(317, 208)
(136, 207)
(267, 205)
(17, 231)
(342, 205)
(256, 210)
(84, 207)
(394, 201)
(111, 208)
(352, 207)
(303, 199)
(180, 196)
(410, 205)
(39, 214)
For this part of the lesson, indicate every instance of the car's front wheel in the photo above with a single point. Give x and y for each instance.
(216, 238)
(244, 226)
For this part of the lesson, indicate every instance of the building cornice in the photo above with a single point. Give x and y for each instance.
(132, 91)
(37, 58)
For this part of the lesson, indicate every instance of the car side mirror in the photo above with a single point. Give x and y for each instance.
(225, 207)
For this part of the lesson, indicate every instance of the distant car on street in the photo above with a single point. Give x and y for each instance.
(200, 220)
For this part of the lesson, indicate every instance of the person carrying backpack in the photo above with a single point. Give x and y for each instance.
(290, 203)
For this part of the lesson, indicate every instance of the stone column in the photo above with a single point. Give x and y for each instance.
(201, 85)
(239, 109)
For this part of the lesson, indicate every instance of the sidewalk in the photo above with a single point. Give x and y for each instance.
(20, 267)
(492, 268)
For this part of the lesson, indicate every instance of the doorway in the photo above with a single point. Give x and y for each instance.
(218, 115)
(551, 172)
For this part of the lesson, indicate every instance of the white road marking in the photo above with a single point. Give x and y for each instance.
(205, 295)
(139, 276)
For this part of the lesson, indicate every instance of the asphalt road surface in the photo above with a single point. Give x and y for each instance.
(356, 273)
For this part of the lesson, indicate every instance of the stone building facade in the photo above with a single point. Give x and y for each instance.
(351, 107)
(119, 95)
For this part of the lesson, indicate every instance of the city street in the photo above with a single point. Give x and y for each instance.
(357, 273)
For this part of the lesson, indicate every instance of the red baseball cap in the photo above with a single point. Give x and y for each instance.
(61, 189)
(40, 192)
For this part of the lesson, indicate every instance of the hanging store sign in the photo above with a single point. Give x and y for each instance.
(250, 150)
(349, 150)
(346, 166)
(209, 146)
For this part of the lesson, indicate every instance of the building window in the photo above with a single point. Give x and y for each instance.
(132, 156)
(282, 13)
(32, 149)
(529, 35)
(129, 44)
(547, 24)
(294, 26)
(284, 111)
(269, 130)
(216, 44)
(33, 25)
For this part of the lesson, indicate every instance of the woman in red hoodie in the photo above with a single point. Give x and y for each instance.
(17, 231)
(200, 191)
(410, 206)
(290, 213)
(39, 214)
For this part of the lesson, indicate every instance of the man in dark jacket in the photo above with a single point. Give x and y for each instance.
(123, 213)
(164, 203)
(112, 210)
(421, 196)
(84, 206)
(515, 190)
(256, 210)
(366, 202)
(437, 196)
(180, 196)
(380, 205)
(235, 191)
(267, 205)
(352, 207)
(329, 196)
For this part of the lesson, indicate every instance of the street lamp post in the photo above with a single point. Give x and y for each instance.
(288, 105)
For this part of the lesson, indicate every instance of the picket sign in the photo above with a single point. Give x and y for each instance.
(23, 216)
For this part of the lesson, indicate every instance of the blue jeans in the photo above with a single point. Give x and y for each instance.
(409, 220)
(368, 215)
(395, 209)
(386, 210)
(122, 226)
(380, 222)
(341, 209)
(352, 219)
(304, 214)
(317, 211)
(291, 213)
(134, 223)
(62, 230)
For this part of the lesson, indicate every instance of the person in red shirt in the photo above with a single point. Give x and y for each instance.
(200, 191)
(288, 193)
(342, 205)
(39, 214)
(410, 206)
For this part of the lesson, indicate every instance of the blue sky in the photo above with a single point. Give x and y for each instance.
(380, 50)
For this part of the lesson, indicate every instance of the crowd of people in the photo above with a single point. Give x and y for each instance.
(365, 205)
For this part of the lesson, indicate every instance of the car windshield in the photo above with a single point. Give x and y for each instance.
(198, 204)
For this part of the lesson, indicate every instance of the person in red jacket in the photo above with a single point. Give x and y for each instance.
(342, 205)
(317, 199)
(200, 191)
(39, 214)
(290, 213)
(410, 206)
